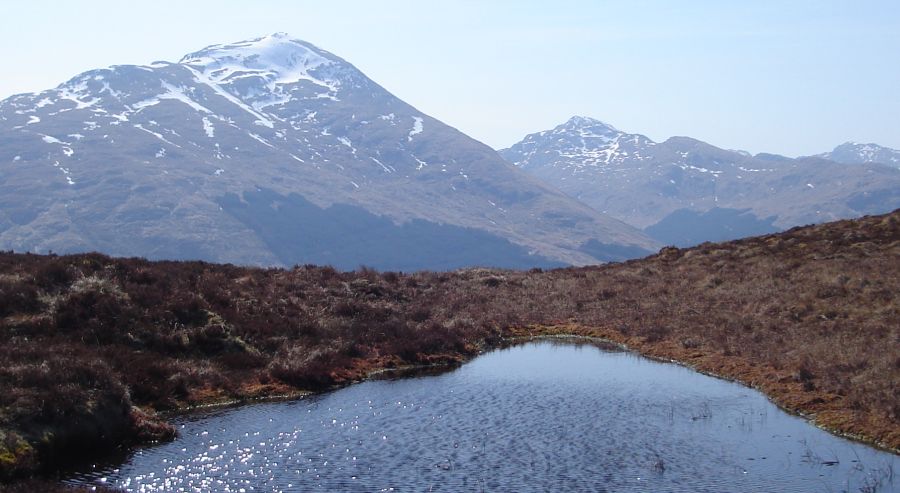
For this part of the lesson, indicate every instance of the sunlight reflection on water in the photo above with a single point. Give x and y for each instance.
(542, 416)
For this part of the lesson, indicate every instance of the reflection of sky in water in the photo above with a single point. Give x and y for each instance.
(539, 417)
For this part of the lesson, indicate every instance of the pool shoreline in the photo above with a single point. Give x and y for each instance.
(818, 408)
(636, 369)
(788, 395)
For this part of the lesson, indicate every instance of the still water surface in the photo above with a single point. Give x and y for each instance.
(543, 416)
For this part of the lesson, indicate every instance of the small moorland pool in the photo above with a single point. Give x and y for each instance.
(543, 416)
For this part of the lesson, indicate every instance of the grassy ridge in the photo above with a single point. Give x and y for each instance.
(91, 346)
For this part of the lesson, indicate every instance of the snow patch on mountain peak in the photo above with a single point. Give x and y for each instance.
(859, 153)
(584, 123)
(277, 58)
(580, 144)
(417, 128)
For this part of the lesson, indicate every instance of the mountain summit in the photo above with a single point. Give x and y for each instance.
(579, 144)
(272, 151)
(856, 153)
(264, 72)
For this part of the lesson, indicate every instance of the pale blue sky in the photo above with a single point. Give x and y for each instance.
(791, 77)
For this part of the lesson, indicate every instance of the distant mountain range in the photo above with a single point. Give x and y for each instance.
(274, 152)
(684, 191)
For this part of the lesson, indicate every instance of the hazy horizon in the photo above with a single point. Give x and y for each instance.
(793, 80)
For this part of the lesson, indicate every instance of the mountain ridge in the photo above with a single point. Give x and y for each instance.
(682, 182)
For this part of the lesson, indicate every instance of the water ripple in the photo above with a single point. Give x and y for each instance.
(538, 417)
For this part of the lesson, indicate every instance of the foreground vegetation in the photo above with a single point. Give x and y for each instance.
(93, 348)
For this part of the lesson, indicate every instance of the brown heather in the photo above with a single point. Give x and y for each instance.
(93, 346)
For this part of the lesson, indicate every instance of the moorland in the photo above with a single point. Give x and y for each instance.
(96, 352)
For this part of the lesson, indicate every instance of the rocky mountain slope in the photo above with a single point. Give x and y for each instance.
(274, 152)
(855, 153)
(684, 191)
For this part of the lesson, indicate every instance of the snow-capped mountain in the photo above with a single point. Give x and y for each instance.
(580, 145)
(275, 152)
(684, 191)
(855, 153)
